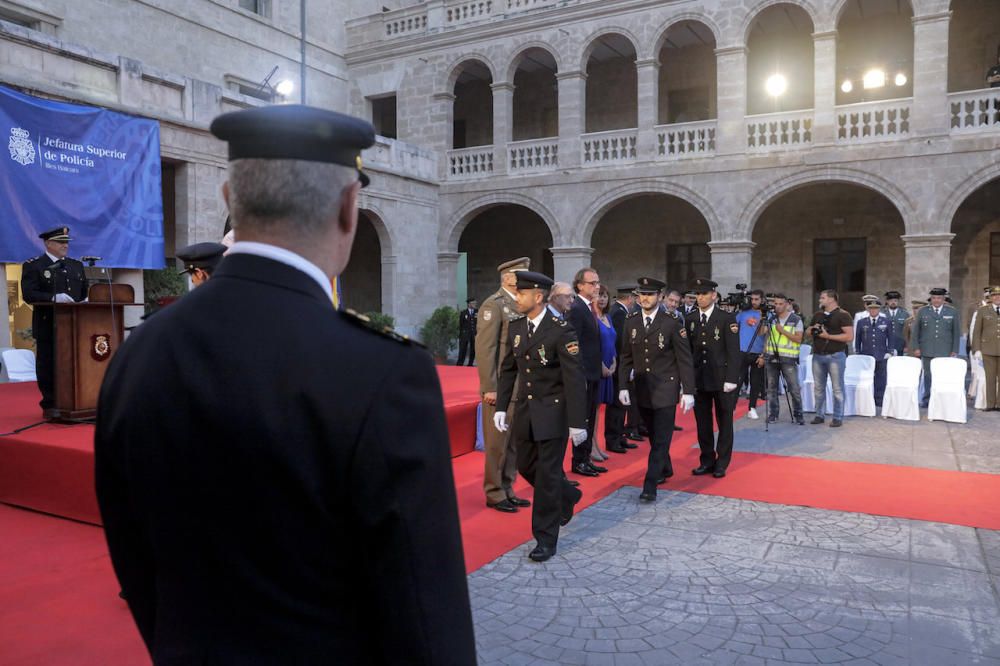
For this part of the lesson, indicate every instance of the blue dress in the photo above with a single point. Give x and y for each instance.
(606, 389)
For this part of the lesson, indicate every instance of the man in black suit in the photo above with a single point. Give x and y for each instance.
(715, 345)
(274, 477)
(543, 355)
(50, 278)
(614, 414)
(467, 332)
(582, 318)
(657, 352)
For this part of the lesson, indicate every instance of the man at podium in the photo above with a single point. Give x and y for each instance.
(51, 277)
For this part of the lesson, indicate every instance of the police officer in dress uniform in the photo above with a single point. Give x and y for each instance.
(492, 322)
(715, 344)
(200, 261)
(50, 278)
(541, 373)
(897, 317)
(656, 352)
(467, 332)
(985, 346)
(274, 477)
(937, 332)
(873, 337)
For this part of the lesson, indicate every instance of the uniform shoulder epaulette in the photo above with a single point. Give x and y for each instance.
(673, 313)
(632, 314)
(386, 332)
(559, 321)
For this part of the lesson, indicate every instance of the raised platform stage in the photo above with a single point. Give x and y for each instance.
(50, 468)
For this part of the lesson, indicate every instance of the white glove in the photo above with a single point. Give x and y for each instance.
(728, 388)
(687, 402)
(64, 298)
(887, 357)
(978, 355)
(624, 398)
(631, 375)
(500, 421)
(578, 435)
(895, 353)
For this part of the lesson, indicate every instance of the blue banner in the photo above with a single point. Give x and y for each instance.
(92, 170)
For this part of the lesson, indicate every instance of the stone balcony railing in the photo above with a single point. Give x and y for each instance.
(466, 163)
(608, 148)
(533, 156)
(779, 131)
(870, 122)
(402, 159)
(685, 140)
(975, 111)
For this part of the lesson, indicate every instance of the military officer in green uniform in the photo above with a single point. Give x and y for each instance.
(897, 317)
(936, 333)
(492, 321)
(542, 374)
(657, 356)
(985, 345)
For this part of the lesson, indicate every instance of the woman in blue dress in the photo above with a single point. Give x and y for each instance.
(609, 361)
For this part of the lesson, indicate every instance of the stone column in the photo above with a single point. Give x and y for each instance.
(646, 71)
(825, 88)
(388, 284)
(443, 119)
(931, 115)
(572, 114)
(201, 211)
(435, 15)
(566, 261)
(731, 135)
(928, 263)
(503, 117)
(731, 263)
(447, 276)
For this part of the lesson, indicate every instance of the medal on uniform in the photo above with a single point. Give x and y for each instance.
(541, 355)
(660, 342)
(517, 340)
(47, 274)
(717, 333)
(635, 332)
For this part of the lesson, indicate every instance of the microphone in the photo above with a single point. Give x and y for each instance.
(90, 260)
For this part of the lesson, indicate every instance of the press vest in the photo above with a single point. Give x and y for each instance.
(782, 343)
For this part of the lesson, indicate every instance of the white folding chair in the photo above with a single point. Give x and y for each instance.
(902, 400)
(808, 383)
(859, 386)
(948, 401)
(977, 387)
(18, 365)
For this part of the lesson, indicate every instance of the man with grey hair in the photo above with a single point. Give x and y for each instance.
(560, 298)
(264, 463)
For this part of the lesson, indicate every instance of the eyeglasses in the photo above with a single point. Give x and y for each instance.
(592, 282)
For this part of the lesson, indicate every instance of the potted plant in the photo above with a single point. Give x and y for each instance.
(380, 321)
(440, 332)
(162, 287)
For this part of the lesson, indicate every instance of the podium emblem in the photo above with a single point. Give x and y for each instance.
(100, 347)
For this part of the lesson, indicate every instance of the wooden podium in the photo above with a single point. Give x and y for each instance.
(86, 336)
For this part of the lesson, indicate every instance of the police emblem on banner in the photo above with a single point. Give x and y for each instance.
(100, 346)
(21, 150)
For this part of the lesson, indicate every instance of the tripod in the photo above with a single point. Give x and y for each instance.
(770, 349)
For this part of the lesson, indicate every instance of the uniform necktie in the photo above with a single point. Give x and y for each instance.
(998, 310)
(704, 319)
(531, 328)
(649, 320)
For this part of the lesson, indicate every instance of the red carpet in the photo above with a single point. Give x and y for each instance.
(50, 468)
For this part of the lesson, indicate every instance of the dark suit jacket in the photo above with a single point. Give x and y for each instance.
(584, 323)
(467, 323)
(551, 383)
(275, 483)
(617, 314)
(66, 277)
(661, 358)
(716, 349)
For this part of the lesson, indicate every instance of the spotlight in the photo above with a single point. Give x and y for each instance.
(776, 85)
(847, 86)
(285, 87)
(901, 79)
(874, 78)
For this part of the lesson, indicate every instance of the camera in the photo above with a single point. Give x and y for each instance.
(740, 300)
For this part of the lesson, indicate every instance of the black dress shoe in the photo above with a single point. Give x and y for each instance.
(800, 421)
(836, 423)
(517, 501)
(583, 469)
(668, 472)
(719, 473)
(629, 445)
(616, 449)
(677, 427)
(503, 506)
(634, 436)
(567, 512)
(542, 553)
(647, 496)
(660, 481)
(643, 432)
(702, 470)
(817, 420)
(598, 468)
(772, 419)
(572, 482)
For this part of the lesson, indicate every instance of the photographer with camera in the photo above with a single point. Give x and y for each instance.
(752, 345)
(781, 353)
(831, 330)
